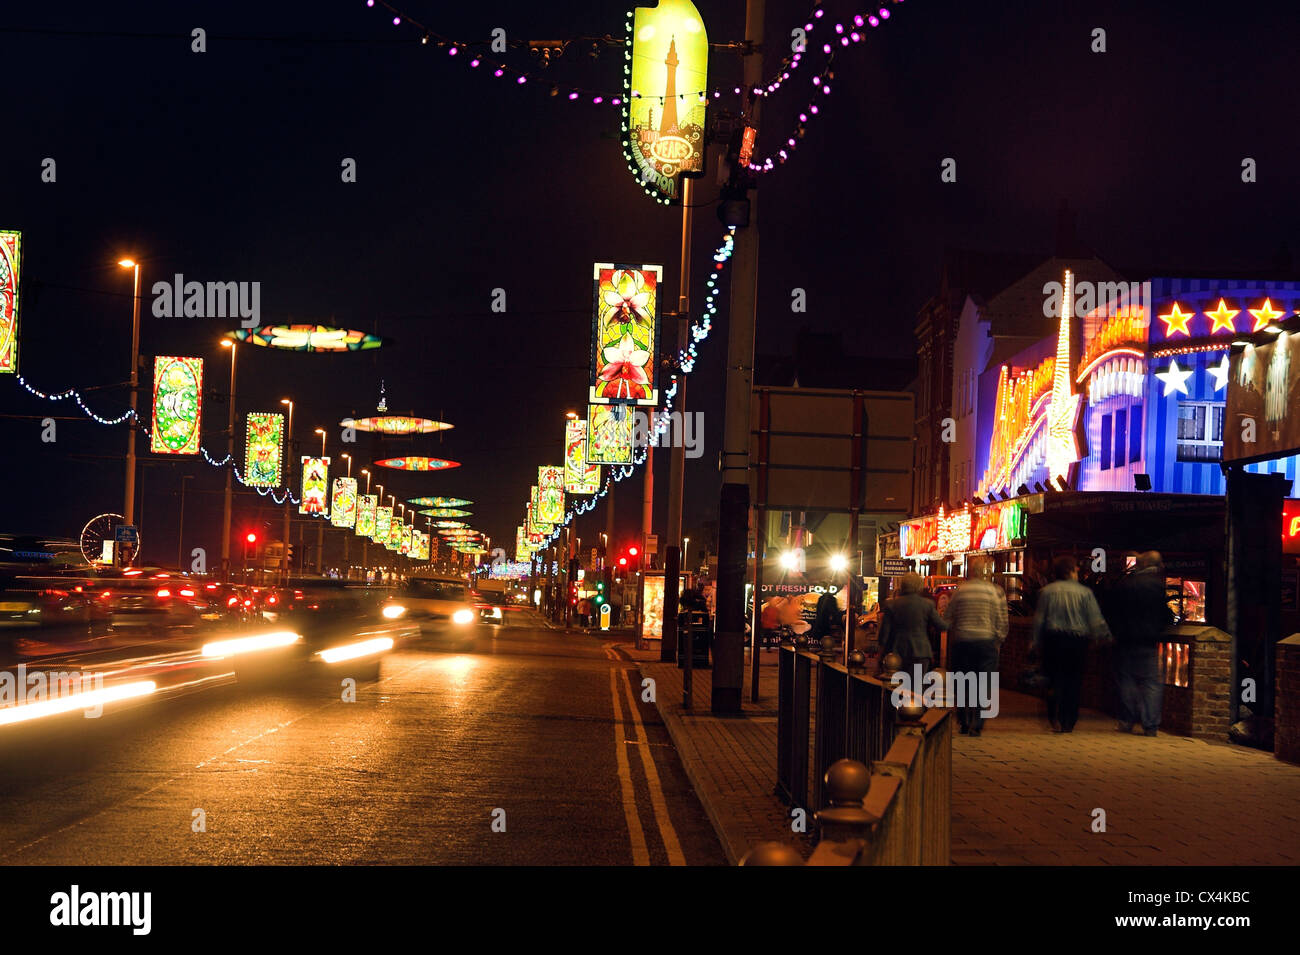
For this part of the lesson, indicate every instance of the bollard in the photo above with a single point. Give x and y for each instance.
(845, 819)
(857, 661)
(890, 663)
(828, 649)
(771, 853)
(801, 642)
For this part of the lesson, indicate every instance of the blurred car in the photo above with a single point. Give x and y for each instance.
(440, 607)
(492, 606)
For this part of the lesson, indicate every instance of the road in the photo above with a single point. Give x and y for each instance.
(533, 748)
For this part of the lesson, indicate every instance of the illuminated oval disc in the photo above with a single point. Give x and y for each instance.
(417, 464)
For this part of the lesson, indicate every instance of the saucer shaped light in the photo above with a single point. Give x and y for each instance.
(417, 464)
(314, 338)
(396, 424)
(450, 525)
(438, 502)
(444, 512)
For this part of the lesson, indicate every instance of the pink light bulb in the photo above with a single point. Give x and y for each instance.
(452, 51)
(818, 14)
(857, 37)
(498, 72)
(857, 21)
(803, 117)
(826, 47)
(884, 14)
(813, 110)
(873, 21)
(370, 3)
(573, 96)
(522, 80)
(839, 28)
(597, 100)
(397, 21)
(474, 62)
(844, 41)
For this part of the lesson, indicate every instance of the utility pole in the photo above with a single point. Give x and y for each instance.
(288, 483)
(677, 466)
(227, 504)
(647, 518)
(733, 506)
(128, 508)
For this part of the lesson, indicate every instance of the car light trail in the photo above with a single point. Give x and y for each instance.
(75, 701)
(262, 641)
(353, 650)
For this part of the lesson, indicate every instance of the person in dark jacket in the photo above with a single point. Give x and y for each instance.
(827, 621)
(1140, 616)
(905, 625)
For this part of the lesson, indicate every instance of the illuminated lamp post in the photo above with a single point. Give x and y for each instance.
(128, 507)
(228, 502)
(288, 483)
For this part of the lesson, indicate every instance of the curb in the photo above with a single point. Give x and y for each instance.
(733, 844)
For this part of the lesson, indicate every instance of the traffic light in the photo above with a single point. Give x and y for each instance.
(622, 562)
(632, 551)
(251, 538)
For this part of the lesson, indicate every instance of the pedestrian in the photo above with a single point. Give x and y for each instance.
(1141, 615)
(826, 622)
(977, 625)
(1067, 619)
(905, 626)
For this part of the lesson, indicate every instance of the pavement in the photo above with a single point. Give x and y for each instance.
(1022, 795)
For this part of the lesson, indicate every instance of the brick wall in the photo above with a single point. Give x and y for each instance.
(1286, 732)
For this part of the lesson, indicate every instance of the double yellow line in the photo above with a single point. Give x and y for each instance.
(659, 805)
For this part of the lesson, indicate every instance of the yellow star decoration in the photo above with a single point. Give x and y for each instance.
(1176, 321)
(1222, 317)
(1264, 314)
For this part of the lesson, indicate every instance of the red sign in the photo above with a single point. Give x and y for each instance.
(1291, 527)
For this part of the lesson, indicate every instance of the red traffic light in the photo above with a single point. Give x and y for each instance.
(622, 562)
(251, 538)
(632, 551)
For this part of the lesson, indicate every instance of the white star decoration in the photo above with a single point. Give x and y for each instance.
(1175, 378)
(1220, 374)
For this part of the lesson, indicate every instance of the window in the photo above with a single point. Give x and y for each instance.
(1121, 436)
(1135, 433)
(1200, 431)
(1105, 442)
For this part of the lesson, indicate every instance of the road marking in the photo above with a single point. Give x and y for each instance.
(657, 800)
(640, 854)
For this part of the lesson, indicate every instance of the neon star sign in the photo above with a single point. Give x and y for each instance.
(1220, 374)
(1264, 314)
(1174, 378)
(1176, 321)
(1222, 317)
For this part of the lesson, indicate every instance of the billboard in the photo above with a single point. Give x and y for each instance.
(10, 270)
(177, 405)
(262, 456)
(665, 107)
(1263, 389)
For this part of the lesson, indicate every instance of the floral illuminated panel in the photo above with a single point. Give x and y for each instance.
(177, 405)
(550, 494)
(343, 512)
(625, 334)
(313, 338)
(315, 486)
(383, 524)
(10, 266)
(366, 506)
(579, 476)
(609, 435)
(395, 424)
(262, 461)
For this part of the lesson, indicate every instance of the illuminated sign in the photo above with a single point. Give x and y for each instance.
(395, 424)
(343, 510)
(366, 507)
(313, 338)
(624, 334)
(262, 456)
(383, 524)
(550, 494)
(449, 524)
(445, 512)
(417, 464)
(177, 405)
(10, 269)
(579, 476)
(664, 111)
(998, 526)
(438, 502)
(315, 486)
(609, 435)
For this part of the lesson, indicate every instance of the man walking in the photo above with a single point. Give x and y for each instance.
(906, 624)
(977, 625)
(1066, 619)
(1141, 616)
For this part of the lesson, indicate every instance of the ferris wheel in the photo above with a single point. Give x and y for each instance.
(103, 528)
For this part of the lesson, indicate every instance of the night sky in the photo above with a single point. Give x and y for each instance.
(225, 166)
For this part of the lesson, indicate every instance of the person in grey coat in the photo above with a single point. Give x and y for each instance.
(906, 622)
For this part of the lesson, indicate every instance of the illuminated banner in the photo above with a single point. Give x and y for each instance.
(665, 107)
(624, 334)
(177, 405)
(404, 540)
(10, 266)
(262, 456)
(366, 505)
(383, 524)
(315, 486)
(438, 502)
(396, 531)
(444, 512)
(522, 550)
(609, 435)
(999, 526)
(550, 494)
(579, 476)
(343, 511)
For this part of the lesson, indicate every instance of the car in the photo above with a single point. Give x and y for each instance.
(440, 607)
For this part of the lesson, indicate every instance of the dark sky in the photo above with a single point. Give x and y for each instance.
(225, 166)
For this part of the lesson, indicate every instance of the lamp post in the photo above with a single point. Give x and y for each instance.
(320, 527)
(346, 558)
(288, 500)
(128, 507)
(227, 504)
(180, 534)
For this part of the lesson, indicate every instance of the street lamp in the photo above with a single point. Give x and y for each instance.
(571, 415)
(228, 502)
(322, 441)
(128, 509)
(288, 464)
(367, 474)
(348, 458)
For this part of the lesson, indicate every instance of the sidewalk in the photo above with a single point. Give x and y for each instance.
(731, 762)
(1022, 795)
